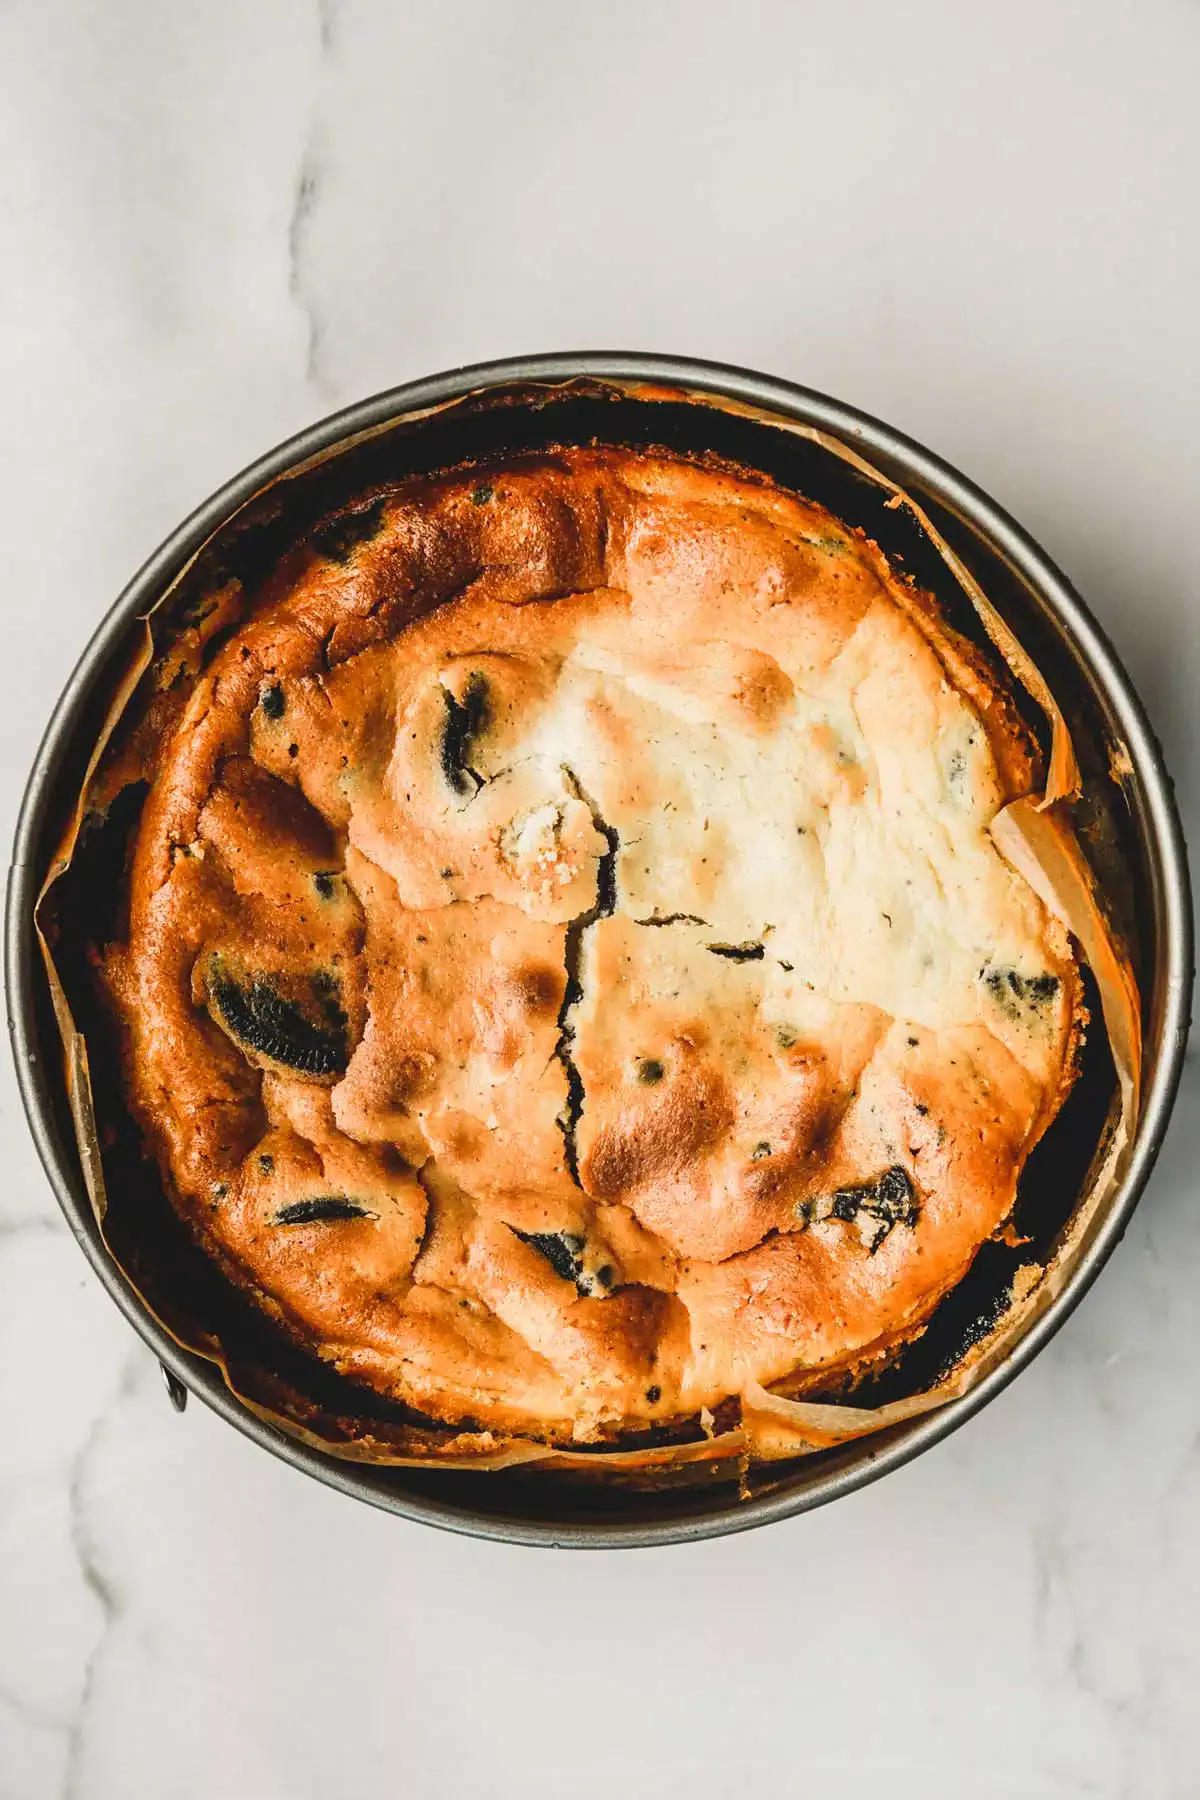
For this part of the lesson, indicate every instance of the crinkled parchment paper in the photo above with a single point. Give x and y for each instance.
(1034, 834)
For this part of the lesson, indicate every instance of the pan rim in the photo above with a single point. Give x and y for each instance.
(1168, 874)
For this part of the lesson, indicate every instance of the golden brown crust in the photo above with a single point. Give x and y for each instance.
(569, 977)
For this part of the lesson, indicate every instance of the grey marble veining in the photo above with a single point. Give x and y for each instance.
(219, 222)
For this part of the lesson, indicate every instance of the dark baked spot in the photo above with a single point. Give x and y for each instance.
(539, 989)
(262, 1020)
(785, 1037)
(323, 882)
(654, 1394)
(320, 1208)
(698, 1114)
(738, 952)
(267, 1164)
(759, 1152)
(482, 494)
(271, 701)
(411, 1075)
(465, 720)
(336, 540)
(650, 1072)
(606, 1275)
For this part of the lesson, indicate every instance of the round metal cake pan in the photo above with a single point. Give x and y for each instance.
(531, 1511)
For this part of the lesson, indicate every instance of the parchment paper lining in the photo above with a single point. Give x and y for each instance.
(1033, 834)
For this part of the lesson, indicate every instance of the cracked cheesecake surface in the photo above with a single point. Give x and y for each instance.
(569, 977)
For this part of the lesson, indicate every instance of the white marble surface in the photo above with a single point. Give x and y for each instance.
(219, 221)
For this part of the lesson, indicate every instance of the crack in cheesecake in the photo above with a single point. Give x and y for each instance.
(604, 907)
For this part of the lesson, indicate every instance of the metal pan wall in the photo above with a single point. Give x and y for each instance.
(1089, 683)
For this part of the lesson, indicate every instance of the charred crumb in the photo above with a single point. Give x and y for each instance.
(199, 608)
(564, 1250)
(650, 1071)
(760, 1152)
(561, 1249)
(890, 1200)
(267, 1164)
(738, 952)
(263, 1021)
(271, 700)
(1015, 993)
(606, 900)
(323, 882)
(656, 1435)
(466, 719)
(320, 1209)
(482, 494)
(328, 996)
(653, 1394)
(726, 1415)
(336, 540)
